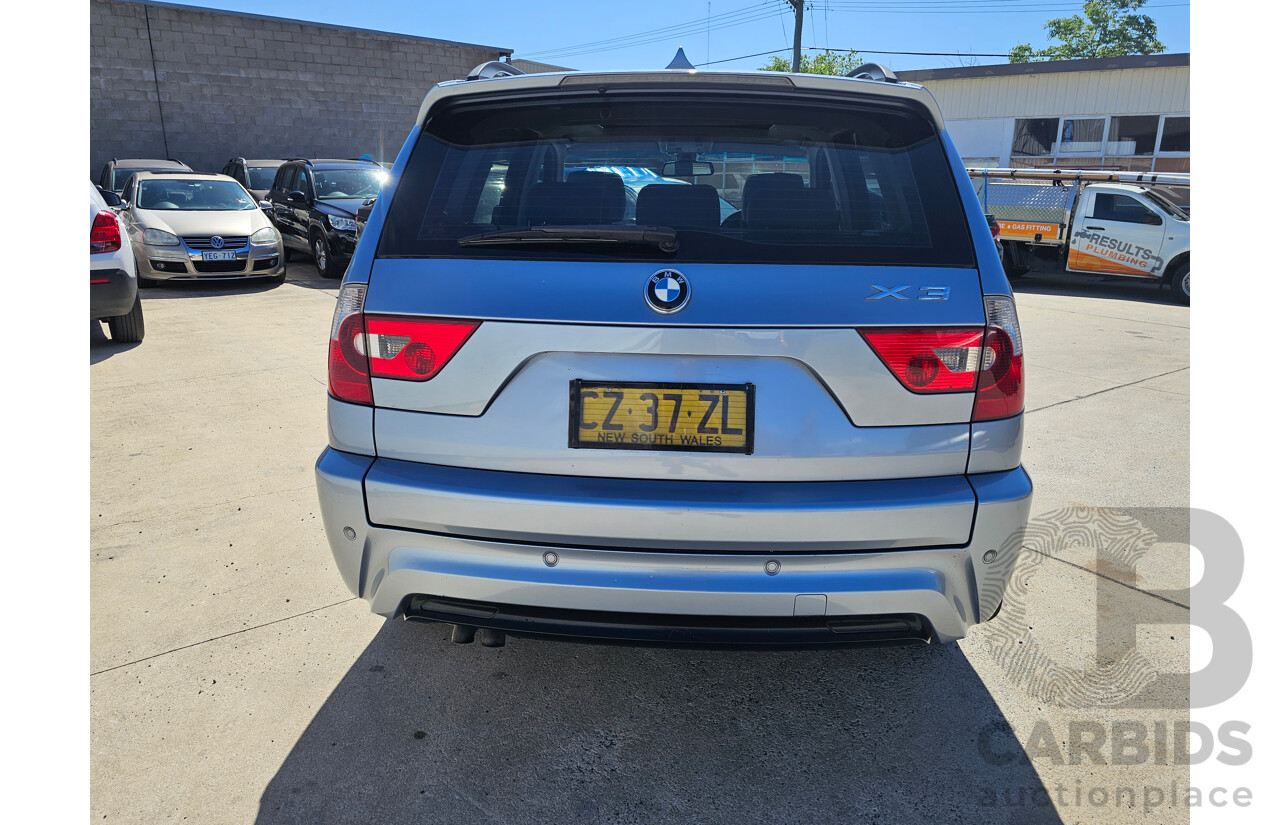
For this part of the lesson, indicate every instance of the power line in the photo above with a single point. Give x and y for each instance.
(674, 30)
(657, 38)
(762, 11)
(860, 51)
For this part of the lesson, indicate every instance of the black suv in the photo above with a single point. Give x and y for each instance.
(254, 175)
(313, 203)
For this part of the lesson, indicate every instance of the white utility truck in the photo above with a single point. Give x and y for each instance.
(1122, 224)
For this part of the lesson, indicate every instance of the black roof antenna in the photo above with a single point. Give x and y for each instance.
(680, 61)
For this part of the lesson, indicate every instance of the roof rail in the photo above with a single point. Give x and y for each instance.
(873, 71)
(494, 68)
(304, 160)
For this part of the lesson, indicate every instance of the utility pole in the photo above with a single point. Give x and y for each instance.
(798, 5)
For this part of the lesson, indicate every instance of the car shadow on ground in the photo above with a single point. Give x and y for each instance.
(420, 729)
(170, 290)
(1090, 286)
(101, 347)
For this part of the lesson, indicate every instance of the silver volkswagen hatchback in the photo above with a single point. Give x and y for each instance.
(798, 424)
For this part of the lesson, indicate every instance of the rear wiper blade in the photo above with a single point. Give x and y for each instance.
(660, 236)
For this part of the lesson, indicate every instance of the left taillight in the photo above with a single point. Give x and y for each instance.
(411, 348)
(364, 346)
(348, 361)
(104, 236)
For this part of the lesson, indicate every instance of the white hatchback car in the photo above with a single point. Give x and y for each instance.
(113, 281)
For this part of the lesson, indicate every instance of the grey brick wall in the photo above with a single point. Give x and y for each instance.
(227, 84)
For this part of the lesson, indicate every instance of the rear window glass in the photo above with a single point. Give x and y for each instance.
(739, 179)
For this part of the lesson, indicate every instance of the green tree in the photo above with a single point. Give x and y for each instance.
(824, 62)
(1109, 28)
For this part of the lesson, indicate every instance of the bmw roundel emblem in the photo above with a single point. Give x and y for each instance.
(216, 242)
(667, 291)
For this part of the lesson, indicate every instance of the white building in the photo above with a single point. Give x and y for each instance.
(1119, 113)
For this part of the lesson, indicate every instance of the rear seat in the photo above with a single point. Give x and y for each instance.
(585, 198)
(696, 206)
(790, 210)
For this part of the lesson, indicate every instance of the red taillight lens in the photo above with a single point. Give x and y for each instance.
(995, 230)
(348, 361)
(413, 349)
(105, 234)
(1000, 385)
(960, 359)
(930, 360)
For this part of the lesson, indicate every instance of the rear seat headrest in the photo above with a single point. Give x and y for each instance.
(791, 210)
(585, 198)
(679, 206)
(771, 180)
(600, 195)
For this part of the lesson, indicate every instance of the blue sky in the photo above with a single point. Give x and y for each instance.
(551, 31)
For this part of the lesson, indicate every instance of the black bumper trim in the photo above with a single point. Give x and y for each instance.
(662, 630)
(112, 298)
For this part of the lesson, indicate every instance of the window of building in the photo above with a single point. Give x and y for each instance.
(1177, 135)
(1035, 136)
(1182, 165)
(1135, 135)
(1082, 134)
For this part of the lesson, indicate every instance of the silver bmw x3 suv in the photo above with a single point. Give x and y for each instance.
(797, 424)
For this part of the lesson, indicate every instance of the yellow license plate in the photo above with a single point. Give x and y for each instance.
(715, 418)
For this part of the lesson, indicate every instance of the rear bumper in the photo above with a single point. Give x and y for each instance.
(808, 599)
(111, 293)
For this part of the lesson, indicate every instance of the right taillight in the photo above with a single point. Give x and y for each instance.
(986, 361)
(348, 358)
(104, 236)
(1000, 381)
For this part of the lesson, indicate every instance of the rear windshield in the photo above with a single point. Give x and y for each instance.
(753, 179)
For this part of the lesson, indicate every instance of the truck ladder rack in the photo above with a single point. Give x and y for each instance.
(1083, 175)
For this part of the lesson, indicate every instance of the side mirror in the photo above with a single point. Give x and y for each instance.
(297, 196)
(112, 199)
(265, 206)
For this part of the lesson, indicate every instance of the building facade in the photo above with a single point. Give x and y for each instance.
(1120, 113)
(202, 86)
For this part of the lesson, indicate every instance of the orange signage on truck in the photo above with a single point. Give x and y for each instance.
(1019, 229)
